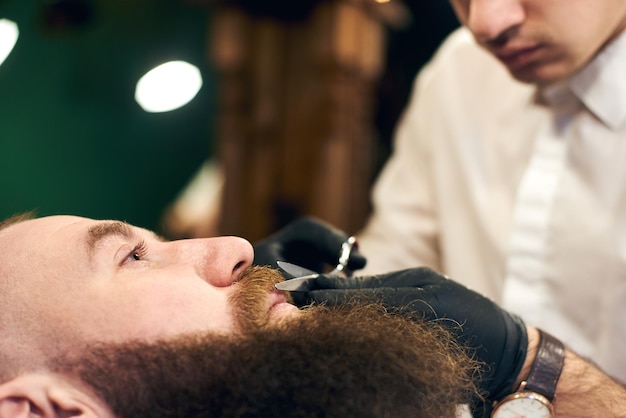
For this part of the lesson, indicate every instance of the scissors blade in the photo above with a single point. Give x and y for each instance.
(294, 270)
(299, 284)
(302, 281)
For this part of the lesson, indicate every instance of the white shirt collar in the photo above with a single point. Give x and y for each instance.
(601, 84)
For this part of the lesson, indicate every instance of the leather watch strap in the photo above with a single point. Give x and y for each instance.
(546, 369)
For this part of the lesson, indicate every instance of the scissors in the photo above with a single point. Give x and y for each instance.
(304, 278)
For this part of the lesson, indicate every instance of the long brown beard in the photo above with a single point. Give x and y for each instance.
(354, 361)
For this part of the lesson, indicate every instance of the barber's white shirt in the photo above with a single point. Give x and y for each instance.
(519, 194)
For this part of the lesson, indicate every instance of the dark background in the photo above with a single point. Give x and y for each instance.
(72, 138)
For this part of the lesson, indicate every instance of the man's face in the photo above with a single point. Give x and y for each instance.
(107, 280)
(541, 41)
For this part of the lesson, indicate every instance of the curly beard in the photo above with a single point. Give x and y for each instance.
(357, 360)
(249, 297)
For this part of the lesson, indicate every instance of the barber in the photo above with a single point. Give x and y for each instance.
(526, 371)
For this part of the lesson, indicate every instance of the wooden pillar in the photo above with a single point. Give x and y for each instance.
(295, 129)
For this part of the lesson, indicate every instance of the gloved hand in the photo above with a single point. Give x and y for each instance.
(307, 242)
(498, 337)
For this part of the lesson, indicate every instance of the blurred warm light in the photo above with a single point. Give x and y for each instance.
(382, 1)
(168, 86)
(8, 37)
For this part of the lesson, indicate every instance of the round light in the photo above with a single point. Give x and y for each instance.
(8, 37)
(168, 86)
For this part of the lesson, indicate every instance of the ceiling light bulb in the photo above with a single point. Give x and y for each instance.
(168, 86)
(8, 37)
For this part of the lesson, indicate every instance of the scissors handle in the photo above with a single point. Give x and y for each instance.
(344, 258)
(304, 278)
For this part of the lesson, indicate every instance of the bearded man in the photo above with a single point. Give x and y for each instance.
(357, 359)
(75, 289)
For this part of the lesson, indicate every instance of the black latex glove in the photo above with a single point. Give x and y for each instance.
(499, 338)
(307, 242)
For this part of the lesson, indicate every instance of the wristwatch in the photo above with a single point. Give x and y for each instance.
(534, 396)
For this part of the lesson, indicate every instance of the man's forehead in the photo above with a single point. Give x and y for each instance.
(46, 237)
(65, 227)
(37, 250)
(40, 226)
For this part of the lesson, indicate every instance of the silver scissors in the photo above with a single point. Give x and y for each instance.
(303, 277)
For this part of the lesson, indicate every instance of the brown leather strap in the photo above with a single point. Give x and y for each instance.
(546, 369)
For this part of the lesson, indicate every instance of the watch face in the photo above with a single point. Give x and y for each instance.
(522, 407)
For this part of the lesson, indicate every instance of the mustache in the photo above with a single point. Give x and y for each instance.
(260, 276)
(250, 297)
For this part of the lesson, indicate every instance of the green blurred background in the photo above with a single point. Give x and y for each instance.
(72, 138)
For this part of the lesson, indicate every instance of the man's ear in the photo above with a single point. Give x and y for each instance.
(48, 396)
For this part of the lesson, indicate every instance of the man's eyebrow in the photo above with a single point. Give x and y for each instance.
(106, 229)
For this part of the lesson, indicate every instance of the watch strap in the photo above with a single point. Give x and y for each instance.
(547, 366)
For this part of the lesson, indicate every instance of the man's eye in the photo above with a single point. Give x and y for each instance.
(138, 253)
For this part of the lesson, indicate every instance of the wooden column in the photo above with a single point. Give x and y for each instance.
(295, 129)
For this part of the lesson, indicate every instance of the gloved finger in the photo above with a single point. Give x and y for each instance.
(410, 300)
(420, 277)
(307, 242)
(311, 234)
(342, 296)
(435, 302)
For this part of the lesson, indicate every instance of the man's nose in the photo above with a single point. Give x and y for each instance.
(221, 260)
(491, 20)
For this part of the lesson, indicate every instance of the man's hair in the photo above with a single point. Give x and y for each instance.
(351, 361)
(15, 219)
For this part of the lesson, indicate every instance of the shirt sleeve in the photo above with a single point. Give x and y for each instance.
(402, 230)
